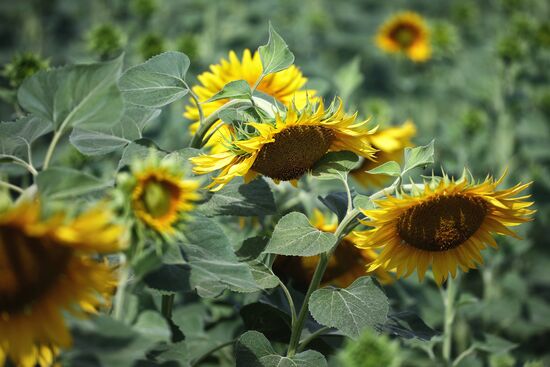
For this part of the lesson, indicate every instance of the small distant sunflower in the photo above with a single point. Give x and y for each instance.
(285, 86)
(160, 194)
(408, 33)
(446, 226)
(50, 267)
(345, 266)
(288, 146)
(390, 142)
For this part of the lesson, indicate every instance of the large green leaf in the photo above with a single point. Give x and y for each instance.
(214, 265)
(237, 89)
(157, 82)
(275, 54)
(295, 236)
(246, 200)
(64, 183)
(16, 137)
(110, 138)
(418, 156)
(253, 349)
(335, 165)
(390, 168)
(76, 95)
(361, 305)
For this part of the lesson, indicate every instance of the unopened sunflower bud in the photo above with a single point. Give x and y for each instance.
(105, 40)
(23, 66)
(150, 45)
(370, 350)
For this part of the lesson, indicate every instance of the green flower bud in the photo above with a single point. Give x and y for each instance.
(501, 360)
(188, 45)
(22, 66)
(543, 35)
(370, 350)
(475, 120)
(144, 8)
(511, 48)
(465, 13)
(445, 38)
(105, 40)
(150, 45)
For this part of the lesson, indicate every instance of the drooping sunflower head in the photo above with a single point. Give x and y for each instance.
(345, 265)
(286, 86)
(408, 33)
(288, 146)
(390, 142)
(50, 267)
(160, 194)
(445, 225)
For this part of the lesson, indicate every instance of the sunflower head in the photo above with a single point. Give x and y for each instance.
(285, 86)
(390, 143)
(50, 267)
(160, 195)
(408, 33)
(345, 265)
(445, 224)
(288, 146)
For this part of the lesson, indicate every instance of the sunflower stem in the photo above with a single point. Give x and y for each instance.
(167, 305)
(121, 289)
(449, 297)
(11, 187)
(343, 229)
(312, 337)
(197, 141)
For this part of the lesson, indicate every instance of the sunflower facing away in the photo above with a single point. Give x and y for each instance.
(446, 226)
(285, 86)
(288, 146)
(390, 143)
(160, 195)
(50, 267)
(345, 266)
(408, 33)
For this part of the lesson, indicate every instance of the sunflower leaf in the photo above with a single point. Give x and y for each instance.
(236, 198)
(73, 183)
(76, 95)
(418, 156)
(110, 138)
(16, 137)
(351, 310)
(157, 82)
(237, 89)
(253, 349)
(275, 54)
(335, 165)
(390, 168)
(295, 236)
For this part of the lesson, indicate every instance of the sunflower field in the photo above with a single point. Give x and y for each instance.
(276, 183)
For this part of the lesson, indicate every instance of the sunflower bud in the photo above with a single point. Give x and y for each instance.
(105, 40)
(370, 350)
(23, 66)
(187, 44)
(150, 45)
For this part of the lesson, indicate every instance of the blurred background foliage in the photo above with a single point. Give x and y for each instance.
(484, 96)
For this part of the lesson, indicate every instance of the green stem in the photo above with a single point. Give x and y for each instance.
(290, 302)
(449, 296)
(311, 337)
(51, 148)
(121, 290)
(167, 305)
(195, 98)
(16, 160)
(209, 352)
(299, 325)
(197, 141)
(11, 187)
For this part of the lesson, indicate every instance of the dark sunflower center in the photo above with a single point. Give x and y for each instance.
(442, 223)
(404, 35)
(30, 267)
(157, 197)
(295, 150)
(346, 259)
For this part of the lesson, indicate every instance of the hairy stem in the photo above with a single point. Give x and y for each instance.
(449, 296)
(311, 337)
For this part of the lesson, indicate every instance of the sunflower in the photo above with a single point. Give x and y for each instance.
(160, 195)
(288, 146)
(446, 225)
(408, 33)
(345, 265)
(286, 86)
(390, 142)
(50, 267)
